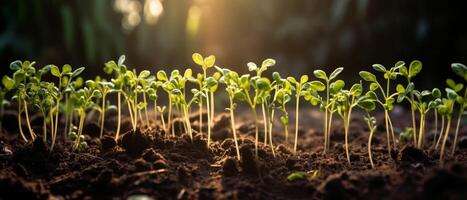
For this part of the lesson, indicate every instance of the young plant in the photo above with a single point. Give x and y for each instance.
(18, 85)
(105, 88)
(327, 105)
(65, 77)
(282, 96)
(153, 96)
(421, 105)
(161, 111)
(299, 87)
(261, 87)
(460, 70)
(346, 100)
(414, 68)
(205, 63)
(233, 88)
(371, 123)
(118, 70)
(168, 87)
(446, 109)
(388, 98)
(83, 100)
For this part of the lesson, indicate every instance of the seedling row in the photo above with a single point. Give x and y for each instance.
(71, 98)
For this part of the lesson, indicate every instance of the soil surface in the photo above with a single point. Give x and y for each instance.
(152, 164)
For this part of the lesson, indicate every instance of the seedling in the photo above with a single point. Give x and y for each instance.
(371, 123)
(303, 175)
(18, 85)
(414, 68)
(104, 87)
(419, 103)
(206, 63)
(119, 70)
(299, 87)
(460, 70)
(282, 95)
(233, 88)
(65, 76)
(153, 96)
(327, 105)
(262, 87)
(446, 109)
(82, 100)
(388, 98)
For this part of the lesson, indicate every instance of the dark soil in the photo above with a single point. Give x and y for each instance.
(150, 163)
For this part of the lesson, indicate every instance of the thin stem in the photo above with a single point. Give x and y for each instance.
(421, 130)
(392, 131)
(232, 119)
(253, 109)
(446, 133)
(130, 110)
(44, 126)
(386, 116)
(170, 117)
(369, 147)
(119, 117)
(346, 131)
(146, 108)
(265, 123)
(209, 119)
(212, 107)
(28, 122)
(155, 111)
(271, 120)
(414, 126)
(441, 132)
(459, 117)
(200, 103)
(297, 102)
(436, 126)
(80, 129)
(20, 124)
(102, 116)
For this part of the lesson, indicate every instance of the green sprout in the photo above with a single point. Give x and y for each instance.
(235, 91)
(262, 87)
(83, 100)
(388, 98)
(282, 95)
(104, 87)
(299, 87)
(23, 71)
(327, 105)
(371, 123)
(346, 100)
(415, 67)
(167, 86)
(421, 105)
(460, 70)
(303, 175)
(161, 111)
(118, 70)
(65, 77)
(206, 63)
(446, 109)
(153, 96)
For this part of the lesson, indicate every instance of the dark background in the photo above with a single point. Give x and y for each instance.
(300, 35)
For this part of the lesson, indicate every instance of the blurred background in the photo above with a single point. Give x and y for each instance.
(301, 35)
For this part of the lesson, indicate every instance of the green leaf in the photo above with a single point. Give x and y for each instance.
(263, 84)
(15, 65)
(356, 90)
(367, 105)
(303, 79)
(367, 76)
(121, 60)
(337, 85)
(252, 66)
(198, 59)
(458, 87)
(77, 72)
(460, 69)
(374, 86)
(8, 82)
(66, 68)
(436, 93)
(320, 74)
(292, 80)
(400, 89)
(335, 73)
(144, 74)
(415, 68)
(209, 61)
(451, 94)
(379, 67)
(297, 176)
(55, 71)
(317, 86)
(161, 75)
(285, 120)
(268, 63)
